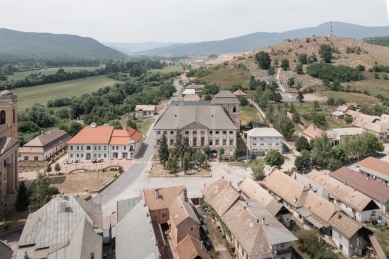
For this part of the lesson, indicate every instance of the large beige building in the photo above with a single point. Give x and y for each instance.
(9, 145)
(202, 124)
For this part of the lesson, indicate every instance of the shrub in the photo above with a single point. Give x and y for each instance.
(53, 191)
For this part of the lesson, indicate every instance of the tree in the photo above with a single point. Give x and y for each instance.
(285, 64)
(283, 124)
(331, 101)
(163, 150)
(290, 82)
(48, 168)
(252, 157)
(348, 119)
(200, 157)
(273, 157)
(334, 164)
(321, 151)
(22, 198)
(298, 86)
(299, 69)
(263, 59)
(41, 196)
(236, 154)
(325, 52)
(300, 96)
(302, 143)
(385, 77)
(186, 163)
(316, 105)
(207, 151)
(258, 168)
(243, 100)
(207, 97)
(303, 58)
(376, 76)
(296, 117)
(57, 167)
(338, 153)
(132, 124)
(115, 123)
(271, 71)
(276, 62)
(221, 153)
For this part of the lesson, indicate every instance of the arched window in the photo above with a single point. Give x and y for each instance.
(2, 117)
(234, 109)
(71, 147)
(13, 116)
(88, 148)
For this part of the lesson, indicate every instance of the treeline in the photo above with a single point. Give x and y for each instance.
(201, 72)
(104, 106)
(126, 67)
(264, 92)
(331, 73)
(59, 76)
(382, 41)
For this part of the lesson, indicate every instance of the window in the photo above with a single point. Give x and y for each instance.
(254, 144)
(88, 148)
(82, 148)
(82, 155)
(261, 138)
(269, 138)
(202, 132)
(186, 132)
(78, 155)
(71, 155)
(373, 213)
(262, 144)
(277, 138)
(194, 141)
(231, 132)
(254, 138)
(217, 132)
(277, 144)
(164, 215)
(99, 155)
(26, 157)
(224, 142)
(217, 142)
(95, 155)
(99, 148)
(105, 155)
(187, 140)
(231, 142)
(105, 147)
(78, 148)
(171, 132)
(359, 241)
(2, 117)
(194, 132)
(35, 158)
(13, 116)
(191, 229)
(171, 142)
(202, 142)
(158, 141)
(94, 147)
(71, 147)
(211, 132)
(210, 143)
(269, 144)
(158, 132)
(224, 132)
(165, 132)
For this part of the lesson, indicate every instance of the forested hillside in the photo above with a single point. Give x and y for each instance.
(383, 41)
(46, 46)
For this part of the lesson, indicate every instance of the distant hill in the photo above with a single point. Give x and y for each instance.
(130, 48)
(47, 46)
(262, 39)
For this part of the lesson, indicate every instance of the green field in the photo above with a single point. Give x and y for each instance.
(28, 96)
(168, 69)
(49, 71)
(227, 77)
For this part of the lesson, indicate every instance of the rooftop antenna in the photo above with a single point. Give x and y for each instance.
(331, 29)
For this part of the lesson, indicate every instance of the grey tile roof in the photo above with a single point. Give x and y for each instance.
(49, 230)
(135, 237)
(190, 103)
(225, 97)
(264, 132)
(125, 206)
(211, 117)
(5, 251)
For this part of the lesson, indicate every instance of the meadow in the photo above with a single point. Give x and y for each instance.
(27, 96)
(49, 71)
(227, 77)
(168, 69)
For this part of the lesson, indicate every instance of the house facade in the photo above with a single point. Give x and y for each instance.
(374, 168)
(44, 146)
(9, 145)
(104, 143)
(261, 140)
(337, 135)
(145, 110)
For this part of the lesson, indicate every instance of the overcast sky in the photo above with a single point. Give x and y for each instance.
(182, 21)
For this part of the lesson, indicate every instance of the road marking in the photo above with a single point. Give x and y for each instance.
(142, 162)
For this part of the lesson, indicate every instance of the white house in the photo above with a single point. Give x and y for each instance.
(264, 139)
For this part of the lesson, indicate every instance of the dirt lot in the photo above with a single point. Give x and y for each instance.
(78, 183)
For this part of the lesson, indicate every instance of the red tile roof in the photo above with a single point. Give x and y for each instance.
(239, 93)
(375, 165)
(122, 137)
(96, 135)
(363, 184)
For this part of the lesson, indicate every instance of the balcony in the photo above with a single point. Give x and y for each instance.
(283, 251)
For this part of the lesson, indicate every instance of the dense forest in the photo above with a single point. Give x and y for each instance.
(382, 41)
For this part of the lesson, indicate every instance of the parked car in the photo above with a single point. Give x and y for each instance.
(204, 229)
(207, 244)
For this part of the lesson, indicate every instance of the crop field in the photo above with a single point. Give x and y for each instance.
(28, 96)
(49, 71)
(226, 77)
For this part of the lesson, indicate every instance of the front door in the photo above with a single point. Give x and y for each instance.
(124, 155)
(115, 155)
(88, 156)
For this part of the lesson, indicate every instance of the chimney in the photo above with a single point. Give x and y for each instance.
(63, 206)
(230, 183)
(92, 255)
(244, 207)
(339, 215)
(257, 221)
(263, 220)
(185, 195)
(345, 183)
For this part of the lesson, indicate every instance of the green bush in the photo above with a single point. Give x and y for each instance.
(53, 191)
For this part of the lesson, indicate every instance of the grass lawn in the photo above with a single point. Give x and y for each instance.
(248, 113)
(28, 96)
(227, 77)
(242, 148)
(168, 69)
(382, 235)
(49, 71)
(144, 125)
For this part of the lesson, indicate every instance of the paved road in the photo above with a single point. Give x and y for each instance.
(120, 189)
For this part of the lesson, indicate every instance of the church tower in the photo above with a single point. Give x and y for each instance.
(9, 145)
(230, 103)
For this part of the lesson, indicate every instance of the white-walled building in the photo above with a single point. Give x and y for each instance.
(264, 139)
(104, 142)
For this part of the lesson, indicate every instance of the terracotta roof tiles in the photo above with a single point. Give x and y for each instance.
(93, 135)
(161, 198)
